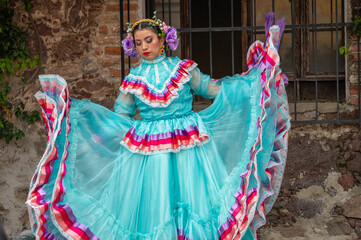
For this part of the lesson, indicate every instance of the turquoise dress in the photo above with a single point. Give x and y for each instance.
(175, 174)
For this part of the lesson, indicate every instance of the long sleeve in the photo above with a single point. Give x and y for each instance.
(203, 84)
(125, 105)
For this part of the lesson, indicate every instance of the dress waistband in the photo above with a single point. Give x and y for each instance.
(169, 117)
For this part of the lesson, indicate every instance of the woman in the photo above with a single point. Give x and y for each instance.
(175, 174)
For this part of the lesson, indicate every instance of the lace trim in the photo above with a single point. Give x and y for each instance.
(174, 92)
(197, 142)
(166, 66)
(156, 74)
(151, 86)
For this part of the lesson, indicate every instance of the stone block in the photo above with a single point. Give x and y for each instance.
(354, 67)
(347, 181)
(338, 226)
(304, 207)
(115, 29)
(356, 145)
(112, 40)
(25, 235)
(115, 72)
(355, 164)
(291, 232)
(98, 51)
(353, 99)
(113, 8)
(107, 62)
(113, 51)
(352, 207)
(353, 89)
(110, 18)
(103, 29)
(354, 78)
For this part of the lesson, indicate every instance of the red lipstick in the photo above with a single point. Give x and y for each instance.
(146, 53)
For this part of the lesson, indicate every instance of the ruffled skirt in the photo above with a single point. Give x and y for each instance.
(89, 186)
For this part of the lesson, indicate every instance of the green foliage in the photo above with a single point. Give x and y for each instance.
(357, 25)
(356, 30)
(344, 50)
(14, 57)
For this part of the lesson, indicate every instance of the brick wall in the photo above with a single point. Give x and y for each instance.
(353, 60)
(108, 39)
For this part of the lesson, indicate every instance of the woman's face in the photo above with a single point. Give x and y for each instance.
(147, 43)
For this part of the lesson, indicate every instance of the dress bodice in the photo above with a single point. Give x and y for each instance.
(168, 92)
(162, 90)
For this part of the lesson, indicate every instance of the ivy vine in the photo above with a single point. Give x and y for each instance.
(14, 58)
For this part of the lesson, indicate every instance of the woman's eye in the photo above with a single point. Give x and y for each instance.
(138, 44)
(149, 40)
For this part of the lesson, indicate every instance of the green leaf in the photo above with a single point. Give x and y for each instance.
(344, 50)
(23, 66)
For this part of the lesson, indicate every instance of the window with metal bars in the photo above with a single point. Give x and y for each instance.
(217, 34)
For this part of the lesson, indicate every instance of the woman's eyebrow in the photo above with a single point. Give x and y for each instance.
(144, 38)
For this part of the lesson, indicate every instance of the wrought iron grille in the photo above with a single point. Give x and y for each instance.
(244, 28)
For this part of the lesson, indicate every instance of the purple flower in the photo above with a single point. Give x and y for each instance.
(128, 46)
(133, 53)
(172, 38)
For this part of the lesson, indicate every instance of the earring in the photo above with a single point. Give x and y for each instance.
(162, 49)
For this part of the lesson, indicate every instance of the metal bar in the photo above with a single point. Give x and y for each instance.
(331, 18)
(128, 11)
(170, 12)
(163, 10)
(170, 20)
(315, 54)
(337, 72)
(210, 38)
(190, 26)
(294, 58)
(358, 66)
(252, 13)
(232, 36)
(237, 29)
(122, 62)
(254, 38)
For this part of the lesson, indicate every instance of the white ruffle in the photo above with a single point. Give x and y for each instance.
(197, 142)
(174, 92)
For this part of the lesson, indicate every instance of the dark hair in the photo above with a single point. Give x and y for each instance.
(149, 26)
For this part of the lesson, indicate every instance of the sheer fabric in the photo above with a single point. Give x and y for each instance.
(175, 174)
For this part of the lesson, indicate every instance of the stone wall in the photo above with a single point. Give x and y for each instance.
(321, 189)
(80, 40)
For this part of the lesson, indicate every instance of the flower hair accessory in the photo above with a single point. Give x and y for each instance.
(170, 33)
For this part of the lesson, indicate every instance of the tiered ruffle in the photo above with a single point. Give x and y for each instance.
(139, 87)
(255, 196)
(166, 135)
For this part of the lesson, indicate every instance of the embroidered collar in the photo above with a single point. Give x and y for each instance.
(153, 89)
(155, 60)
